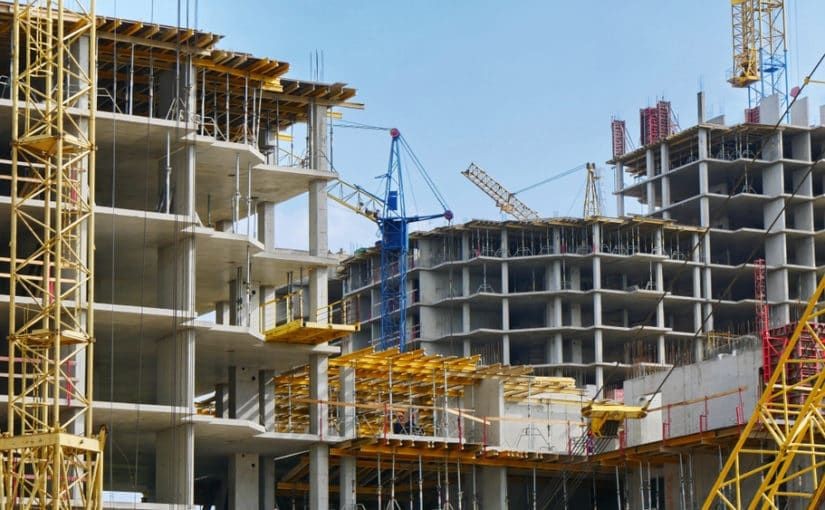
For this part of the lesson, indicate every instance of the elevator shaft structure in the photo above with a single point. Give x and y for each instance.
(50, 458)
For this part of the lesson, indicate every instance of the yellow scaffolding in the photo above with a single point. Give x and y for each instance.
(50, 458)
(790, 462)
(283, 320)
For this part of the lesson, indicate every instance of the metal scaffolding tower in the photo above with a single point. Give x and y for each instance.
(788, 465)
(50, 457)
(760, 52)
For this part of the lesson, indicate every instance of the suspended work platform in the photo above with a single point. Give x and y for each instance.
(283, 320)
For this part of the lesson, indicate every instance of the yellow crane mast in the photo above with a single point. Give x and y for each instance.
(745, 43)
(786, 463)
(50, 457)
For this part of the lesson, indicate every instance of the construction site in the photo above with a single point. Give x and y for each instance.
(166, 350)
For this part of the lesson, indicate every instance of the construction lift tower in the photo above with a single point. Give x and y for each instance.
(390, 214)
(50, 457)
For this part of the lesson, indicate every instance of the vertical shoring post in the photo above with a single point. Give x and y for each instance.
(131, 80)
(167, 192)
(236, 196)
(641, 486)
(379, 482)
(618, 489)
(203, 101)
(682, 481)
(458, 482)
(249, 202)
(151, 85)
(420, 485)
(245, 109)
(564, 488)
(533, 496)
(475, 490)
(227, 135)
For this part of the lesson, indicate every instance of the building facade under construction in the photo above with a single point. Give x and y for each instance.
(164, 341)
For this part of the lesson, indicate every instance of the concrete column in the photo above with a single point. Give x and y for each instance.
(318, 364)
(665, 157)
(493, 492)
(174, 466)
(465, 317)
(266, 483)
(266, 314)
(244, 474)
(317, 245)
(317, 135)
(505, 326)
(598, 347)
(650, 163)
(222, 314)
(221, 400)
(696, 272)
(266, 399)
(319, 477)
(318, 453)
(347, 482)
(660, 305)
(243, 394)
(266, 224)
(619, 185)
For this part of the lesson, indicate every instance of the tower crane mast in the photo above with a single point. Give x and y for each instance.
(49, 455)
(390, 214)
(760, 51)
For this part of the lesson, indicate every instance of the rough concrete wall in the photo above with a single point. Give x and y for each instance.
(694, 382)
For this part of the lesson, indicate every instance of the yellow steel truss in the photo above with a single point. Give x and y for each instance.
(50, 458)
(789, 465)
(745, 43)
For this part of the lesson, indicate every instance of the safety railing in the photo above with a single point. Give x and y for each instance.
(291, 307)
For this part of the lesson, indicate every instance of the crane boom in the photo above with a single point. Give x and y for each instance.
(505, 200)
(788, 464)
(355, 198)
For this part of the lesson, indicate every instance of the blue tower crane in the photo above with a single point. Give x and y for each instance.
(390, 214)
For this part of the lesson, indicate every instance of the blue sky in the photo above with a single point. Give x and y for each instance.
(526, 89)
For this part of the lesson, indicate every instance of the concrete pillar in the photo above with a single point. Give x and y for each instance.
(347, 472)
(319, 477)
(318, 364)
(598, 347)
(266, 483)
(243, 394)
(174, 466)
(665, 179)
(221, 400)
(266, 399)
(244, 474)
(265, 317)
(696, 272)
(505, 326)
(489, 401)
(660, 305)
(650, 164)
(317, 245)
(318, 453)
(493, 492)
(266, 224)
(222, 314)
(619, 188)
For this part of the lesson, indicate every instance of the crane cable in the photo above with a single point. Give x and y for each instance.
(551, 178)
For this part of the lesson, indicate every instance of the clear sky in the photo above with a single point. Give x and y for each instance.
(525, 88)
